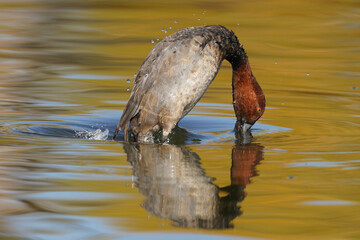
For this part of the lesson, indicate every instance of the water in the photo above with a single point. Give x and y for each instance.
(64, 78)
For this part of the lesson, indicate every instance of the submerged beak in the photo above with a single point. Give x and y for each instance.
(246, 127)
(243, 127)
(243, 133)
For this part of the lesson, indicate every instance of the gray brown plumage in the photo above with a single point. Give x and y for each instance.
(175, 75)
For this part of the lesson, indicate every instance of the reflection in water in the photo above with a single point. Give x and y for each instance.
(177, 188)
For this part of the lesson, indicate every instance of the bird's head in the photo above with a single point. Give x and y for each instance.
(248, 98)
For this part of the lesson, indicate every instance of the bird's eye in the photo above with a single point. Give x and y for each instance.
(259, 109)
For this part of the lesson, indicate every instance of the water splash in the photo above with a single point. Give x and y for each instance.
(93, 135)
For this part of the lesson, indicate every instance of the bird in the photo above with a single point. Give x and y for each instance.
(175, 75)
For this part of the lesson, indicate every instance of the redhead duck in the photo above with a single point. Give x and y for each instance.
(175, 75)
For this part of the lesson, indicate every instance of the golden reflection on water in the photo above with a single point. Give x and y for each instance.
(177, 188)
(65, 65)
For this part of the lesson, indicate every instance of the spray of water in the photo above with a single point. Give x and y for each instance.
(93, 135)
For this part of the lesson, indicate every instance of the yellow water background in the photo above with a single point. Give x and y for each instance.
(71, 64)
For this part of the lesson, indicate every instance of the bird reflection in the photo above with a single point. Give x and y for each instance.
(177, 188)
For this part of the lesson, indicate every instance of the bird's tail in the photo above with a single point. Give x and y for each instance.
(120, 127)
(117, 130)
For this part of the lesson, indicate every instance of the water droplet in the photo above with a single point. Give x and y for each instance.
(152, 41)
(170, 27)
(175, 21)
(162, 29)
(198, 19)
(127, 89)
(134, 74)
(275, 62)
(307, 74)
(282, 103)
(93, 135)
(128, 81)
(204, 12)
(165, 31)
(157, 39)
(238, 24)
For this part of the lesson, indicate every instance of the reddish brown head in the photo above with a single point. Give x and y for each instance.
(248, 97)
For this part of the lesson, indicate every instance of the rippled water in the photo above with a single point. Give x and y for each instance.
(66, 70)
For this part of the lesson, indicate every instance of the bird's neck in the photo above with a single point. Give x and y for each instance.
(244, 87)
(243, 74)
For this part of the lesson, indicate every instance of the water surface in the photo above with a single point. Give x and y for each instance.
(66, 71)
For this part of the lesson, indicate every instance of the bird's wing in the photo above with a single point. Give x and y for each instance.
(159, 63)
(143, 82)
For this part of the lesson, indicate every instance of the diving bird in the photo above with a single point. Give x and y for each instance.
(175, 75)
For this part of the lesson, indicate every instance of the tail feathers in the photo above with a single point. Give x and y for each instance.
(121, 125)
(118, 128)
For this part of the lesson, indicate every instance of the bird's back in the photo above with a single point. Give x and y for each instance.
(173, 77)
